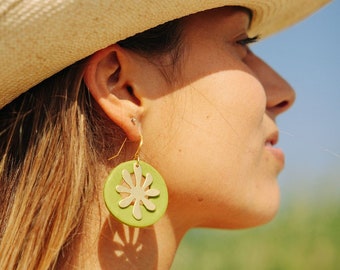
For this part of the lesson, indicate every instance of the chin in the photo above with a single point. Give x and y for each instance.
(263, 218)
(252, 220)
(263, 214)
(264, 205)
(251, 215)
(248, 219)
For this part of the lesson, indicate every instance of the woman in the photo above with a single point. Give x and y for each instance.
(183, 114)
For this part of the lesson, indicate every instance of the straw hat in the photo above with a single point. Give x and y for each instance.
(41, 37)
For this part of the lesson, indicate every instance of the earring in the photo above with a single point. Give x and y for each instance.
(135, 192)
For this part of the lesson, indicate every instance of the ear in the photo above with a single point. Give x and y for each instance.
(109, 77)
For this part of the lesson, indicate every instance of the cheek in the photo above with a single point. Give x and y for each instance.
(206, 139)
(223, 113)
(212, 126)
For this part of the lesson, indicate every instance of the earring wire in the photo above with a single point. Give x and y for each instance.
(119, 151)
(136, 155)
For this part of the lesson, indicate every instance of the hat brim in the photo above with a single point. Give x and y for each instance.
(40, 38)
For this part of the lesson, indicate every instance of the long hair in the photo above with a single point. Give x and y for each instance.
(54, 140)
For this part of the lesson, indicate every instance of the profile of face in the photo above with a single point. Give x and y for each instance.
(210, 130)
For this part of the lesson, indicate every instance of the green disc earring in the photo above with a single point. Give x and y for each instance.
(135, 192)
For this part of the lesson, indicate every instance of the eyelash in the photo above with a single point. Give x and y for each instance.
(248, 40)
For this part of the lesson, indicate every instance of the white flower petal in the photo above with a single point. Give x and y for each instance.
(148, 204)
(138, 173)
(148, 181)
(152, 192)
(123, 189)
(136, 211)
(126, 202)
(127, 178)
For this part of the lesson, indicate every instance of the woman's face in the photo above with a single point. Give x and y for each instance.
(211, 133)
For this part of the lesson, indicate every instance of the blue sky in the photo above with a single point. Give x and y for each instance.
(307, 55)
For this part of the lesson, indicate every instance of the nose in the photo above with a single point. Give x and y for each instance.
(280, 95)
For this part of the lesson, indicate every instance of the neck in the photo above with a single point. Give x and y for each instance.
(105, 243)
(137, 248)
(125, 247)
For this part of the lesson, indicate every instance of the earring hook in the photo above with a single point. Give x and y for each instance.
(136, 156)
(119, 151)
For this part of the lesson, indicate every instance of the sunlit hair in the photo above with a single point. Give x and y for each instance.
(54, 141)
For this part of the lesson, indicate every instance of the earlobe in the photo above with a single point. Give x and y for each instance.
(108, 77)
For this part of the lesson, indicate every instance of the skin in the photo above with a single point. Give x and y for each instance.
(209, 133)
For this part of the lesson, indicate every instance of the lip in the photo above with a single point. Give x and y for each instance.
(270, 143)
(277, 153)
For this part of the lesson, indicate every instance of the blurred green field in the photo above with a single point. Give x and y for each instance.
(302, 236)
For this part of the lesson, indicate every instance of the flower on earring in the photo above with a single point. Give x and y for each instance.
(138, 192)
(138, 187)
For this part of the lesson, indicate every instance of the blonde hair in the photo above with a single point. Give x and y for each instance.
(48, 170)
(54, 142)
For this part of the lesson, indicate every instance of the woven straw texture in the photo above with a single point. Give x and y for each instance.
(41, 37)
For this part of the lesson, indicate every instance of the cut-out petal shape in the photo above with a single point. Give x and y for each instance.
(138, 193)
(138, 174)
(152, 192)
(148, 181)
(136, 212)
(127, 178)
(122, 189)
(148, 204)
(126, 201)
